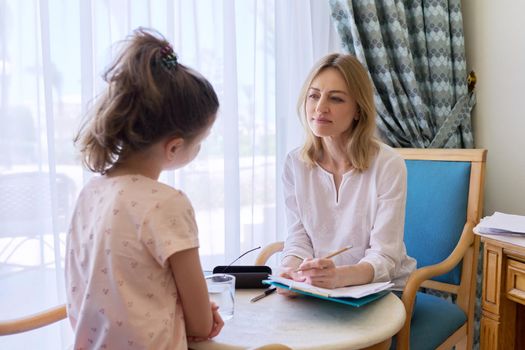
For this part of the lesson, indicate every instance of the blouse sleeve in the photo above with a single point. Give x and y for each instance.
(170, 227)
(298, 242)
(386, 238)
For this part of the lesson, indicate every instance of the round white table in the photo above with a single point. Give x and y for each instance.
(308, 323)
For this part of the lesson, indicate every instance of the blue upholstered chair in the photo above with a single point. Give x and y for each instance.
(444, 203)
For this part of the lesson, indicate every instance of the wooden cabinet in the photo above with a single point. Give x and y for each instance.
(503, 293)
(516, 280)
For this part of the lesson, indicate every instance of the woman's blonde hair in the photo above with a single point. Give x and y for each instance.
(361, 145)
(150, 96)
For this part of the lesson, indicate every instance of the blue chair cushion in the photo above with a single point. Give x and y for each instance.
(433, 321)
(436, 211)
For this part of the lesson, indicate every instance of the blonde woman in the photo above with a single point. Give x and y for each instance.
(343, 187)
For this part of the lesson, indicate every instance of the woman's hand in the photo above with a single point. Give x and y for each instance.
(218, 323)
(319, 272)
(289, 272)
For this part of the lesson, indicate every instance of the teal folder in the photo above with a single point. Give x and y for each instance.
(356, 302)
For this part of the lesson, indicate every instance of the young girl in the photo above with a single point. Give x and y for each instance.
(133, 274)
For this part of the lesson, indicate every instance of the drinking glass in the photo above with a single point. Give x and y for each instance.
(221, 288)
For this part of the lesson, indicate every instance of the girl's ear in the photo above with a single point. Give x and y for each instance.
(172, 146)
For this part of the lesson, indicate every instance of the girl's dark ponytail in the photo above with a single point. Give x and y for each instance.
(150, 95)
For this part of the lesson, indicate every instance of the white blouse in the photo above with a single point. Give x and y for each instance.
(368, 212)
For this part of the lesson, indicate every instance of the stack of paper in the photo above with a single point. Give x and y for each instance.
(500, 223)
(345, 292)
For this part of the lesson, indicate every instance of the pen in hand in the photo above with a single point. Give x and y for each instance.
(331, 255)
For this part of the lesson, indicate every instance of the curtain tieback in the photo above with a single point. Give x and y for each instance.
(458, 114)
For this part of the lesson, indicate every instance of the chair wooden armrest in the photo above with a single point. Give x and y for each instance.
(34, 321)
(423, 274)
(268, 251)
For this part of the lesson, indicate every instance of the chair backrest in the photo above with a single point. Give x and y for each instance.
(26, 203)
(24, 196)
(436, 211)
(444, 198)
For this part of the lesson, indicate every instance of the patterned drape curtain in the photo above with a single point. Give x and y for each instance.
(414, 51)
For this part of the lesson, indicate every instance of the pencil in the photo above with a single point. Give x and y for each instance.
(331, 255)
(337, 252)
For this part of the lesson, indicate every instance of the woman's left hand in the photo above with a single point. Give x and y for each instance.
(319, 272)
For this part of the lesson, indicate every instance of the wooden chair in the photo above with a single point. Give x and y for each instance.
(26, 212)
(35, 321)
(444, 203)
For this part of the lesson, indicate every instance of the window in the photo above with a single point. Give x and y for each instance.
(52, 53)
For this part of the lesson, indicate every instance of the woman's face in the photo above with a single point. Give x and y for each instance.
(330, 109)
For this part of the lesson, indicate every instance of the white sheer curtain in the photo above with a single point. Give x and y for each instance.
(52, 53)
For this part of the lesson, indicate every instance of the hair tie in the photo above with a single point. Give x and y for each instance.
(168, 57)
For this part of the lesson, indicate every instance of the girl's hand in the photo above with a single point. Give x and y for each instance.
(319, 272)
(218, 323)
(289, 272)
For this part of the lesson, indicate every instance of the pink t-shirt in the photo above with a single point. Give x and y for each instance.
(120, 288)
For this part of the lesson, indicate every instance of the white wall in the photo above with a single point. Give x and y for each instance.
(495, 50)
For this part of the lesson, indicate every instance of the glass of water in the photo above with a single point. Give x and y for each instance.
(221, 288)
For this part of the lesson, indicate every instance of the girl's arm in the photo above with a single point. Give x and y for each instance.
(193, 293)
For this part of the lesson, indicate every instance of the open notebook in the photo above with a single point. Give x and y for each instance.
(354, 295)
